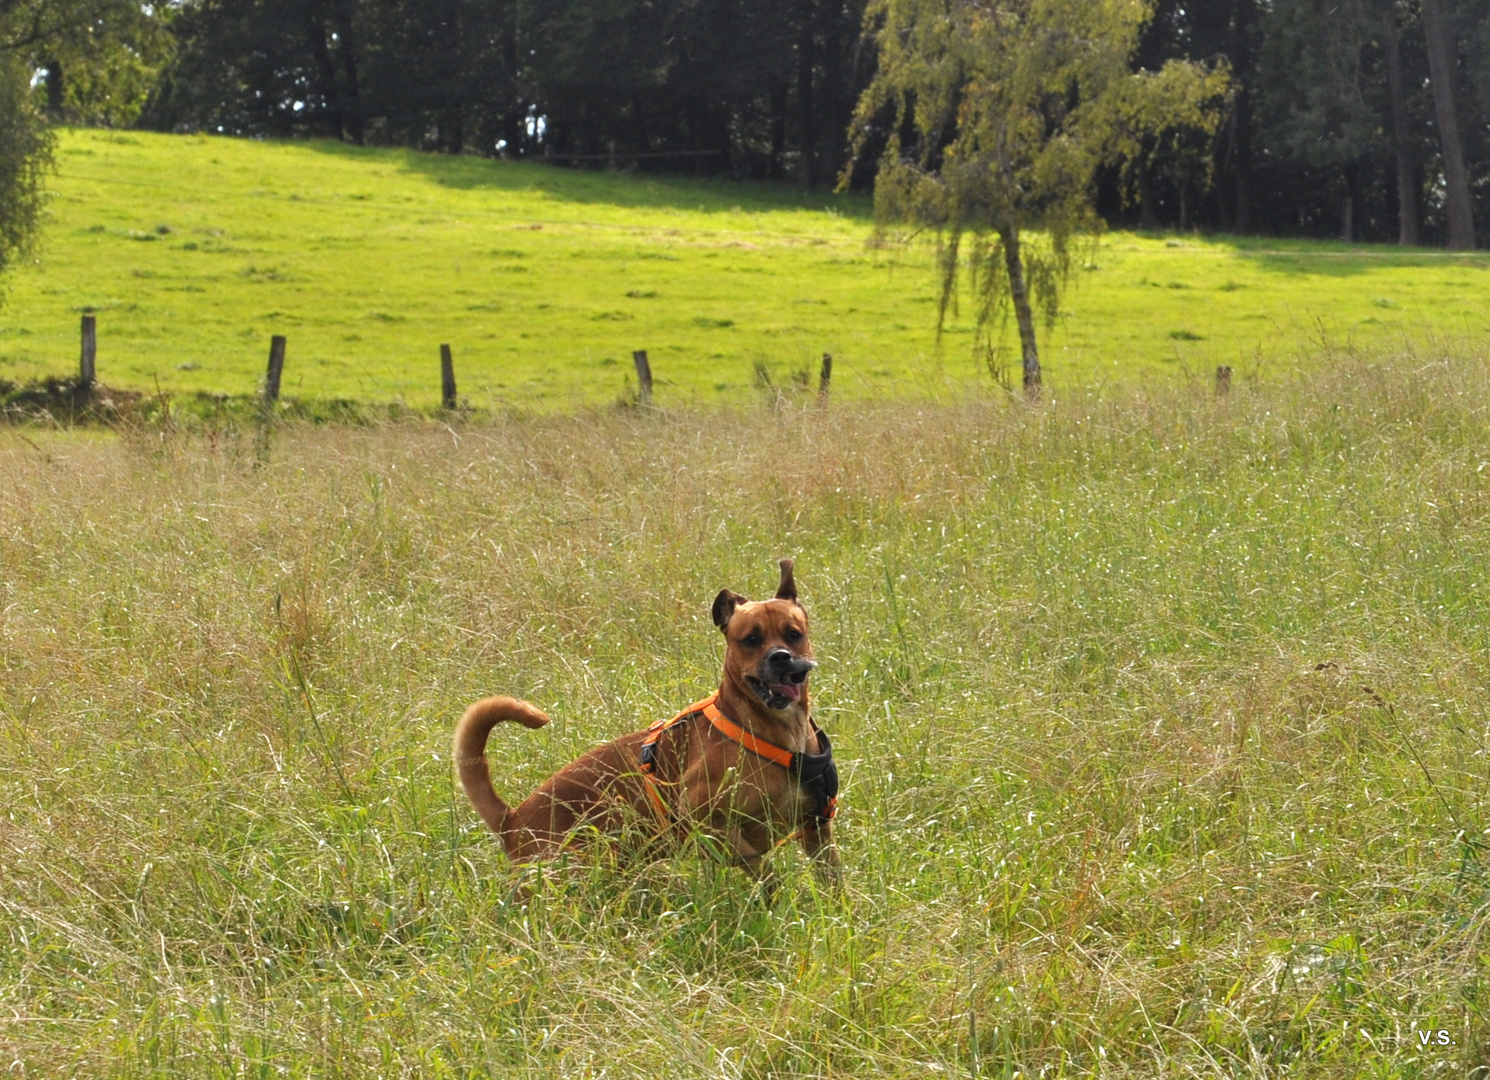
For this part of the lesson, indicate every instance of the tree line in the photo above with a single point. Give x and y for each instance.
(750, 88)
(1364, 119)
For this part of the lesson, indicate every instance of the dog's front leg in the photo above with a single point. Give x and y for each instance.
(817, 842)
(752, 859)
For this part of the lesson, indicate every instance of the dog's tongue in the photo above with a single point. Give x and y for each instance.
(786, 690)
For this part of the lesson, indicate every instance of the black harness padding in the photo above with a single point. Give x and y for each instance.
(647, 755)
(819, 776)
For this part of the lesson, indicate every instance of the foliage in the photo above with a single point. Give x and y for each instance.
(1317, 88)
(1161, 722)
(1163, 123)
(1323, 95)
(101, 58)
(25, 158)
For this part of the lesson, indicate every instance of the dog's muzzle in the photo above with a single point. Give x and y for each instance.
(781, 678)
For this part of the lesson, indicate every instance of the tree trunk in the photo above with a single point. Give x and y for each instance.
(1023, 314)
(512, 132)
(1243, 197)
(695, 110)
(1441, 68)
(805, 60)
(320, 50)
(777, 96)
(55, 100)
(639, 129)
(833, 97)
(452, 121)
(1225, 158)
(1244, 22)
(1407, 170)
(352, 105)
(514, 116)
(452, 128)
(1148, 218)
(725, 143)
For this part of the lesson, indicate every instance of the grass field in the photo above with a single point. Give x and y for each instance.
(1163, 722)
(194, 250)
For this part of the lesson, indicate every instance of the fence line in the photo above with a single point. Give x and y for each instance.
(274, 374)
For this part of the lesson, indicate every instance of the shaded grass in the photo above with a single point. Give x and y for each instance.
(1161, 720)
(192, 251)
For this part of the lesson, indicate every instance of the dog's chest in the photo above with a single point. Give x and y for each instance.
(794, 804)
(766, 789)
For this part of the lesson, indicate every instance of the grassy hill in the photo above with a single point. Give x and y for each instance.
(193, 250)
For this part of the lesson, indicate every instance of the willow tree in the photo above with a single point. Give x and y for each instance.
(25, 157)
(999, 113)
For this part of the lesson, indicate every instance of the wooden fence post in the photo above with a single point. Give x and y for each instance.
(643, 377)
(447, 377)
(825, 376)
(88, 362)
(1223, 379)
(276, 367)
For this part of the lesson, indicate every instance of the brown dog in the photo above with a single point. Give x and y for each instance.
(746, 764)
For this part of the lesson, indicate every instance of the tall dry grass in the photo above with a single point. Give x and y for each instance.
(1162, 721)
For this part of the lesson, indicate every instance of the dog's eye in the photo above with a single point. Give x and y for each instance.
(752, 641)
(793, 635)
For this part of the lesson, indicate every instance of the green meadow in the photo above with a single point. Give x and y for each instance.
(192, 251)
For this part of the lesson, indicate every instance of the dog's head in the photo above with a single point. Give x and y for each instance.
(767, 649)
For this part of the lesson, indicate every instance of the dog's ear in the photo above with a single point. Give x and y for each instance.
(724, 606)
(787, 590)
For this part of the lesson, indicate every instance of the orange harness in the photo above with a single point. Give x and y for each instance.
(815, 772)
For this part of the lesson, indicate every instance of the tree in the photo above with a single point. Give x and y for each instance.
(260, 67)
(1403, 148)
(1443, 68)
(1000, 112)
(25, 157)
(1320, 99)
(100, 58)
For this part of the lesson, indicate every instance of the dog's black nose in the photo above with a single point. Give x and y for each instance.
(784, 662)
(780, 659)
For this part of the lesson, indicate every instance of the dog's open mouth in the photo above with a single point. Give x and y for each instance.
(778, 695)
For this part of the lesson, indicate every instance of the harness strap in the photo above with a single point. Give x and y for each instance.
(823, 781)
(658, 806)
(759, 747)
(648, 754)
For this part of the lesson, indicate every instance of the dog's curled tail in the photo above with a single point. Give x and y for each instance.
(470, 758)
